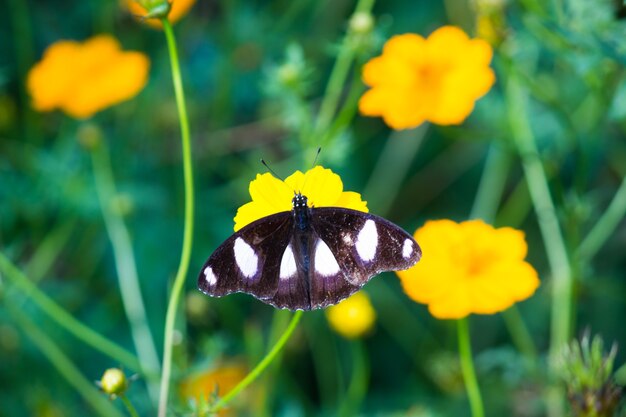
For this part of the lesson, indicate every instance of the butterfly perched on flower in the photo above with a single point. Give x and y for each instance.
(305, 249)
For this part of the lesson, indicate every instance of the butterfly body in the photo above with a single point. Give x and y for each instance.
(308, 257)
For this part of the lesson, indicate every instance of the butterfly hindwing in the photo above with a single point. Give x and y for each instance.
(363, 244)
(248, 261)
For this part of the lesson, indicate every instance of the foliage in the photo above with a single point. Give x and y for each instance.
(94, 213)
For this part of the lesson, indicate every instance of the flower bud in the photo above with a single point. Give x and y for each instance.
(114, 382)
(155, 9)
(361, 23)
(353, 317)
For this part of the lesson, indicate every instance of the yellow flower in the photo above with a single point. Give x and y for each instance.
(220, 380)
(469, 267)
(321, 186)
(353, 317)
(84, 78)
(437, 79)
(179, 9)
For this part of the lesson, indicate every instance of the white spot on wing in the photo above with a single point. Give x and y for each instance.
(325, 262)
(246, 259)
(407, 249)
(288, 266)
(210, 277)
(367, 241)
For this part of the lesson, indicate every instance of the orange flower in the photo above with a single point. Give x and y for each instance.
(321, 186)
(201, 387)
(353, 317)
(437, 79)
(469, 267)
(84, 78)
(179, 9)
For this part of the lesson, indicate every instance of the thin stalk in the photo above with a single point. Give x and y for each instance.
(606, 225)
(467, 367)
(126, 267)
(391, 168)
(181, 274)
(548, 224)
(491, 184)
(48, 250)
(357, 388)
(520, 334)
(65, 319)
(265, 362)
(129, 406)
(338, 76)
(62, 363)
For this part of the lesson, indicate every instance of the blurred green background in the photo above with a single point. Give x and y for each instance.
(570, 57)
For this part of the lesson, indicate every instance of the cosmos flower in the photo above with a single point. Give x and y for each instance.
(82, 78)
(469, 267)
(321, 186)
(203, 386)
(353, 317)
(436, 79)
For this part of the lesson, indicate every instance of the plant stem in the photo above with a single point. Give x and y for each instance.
(181, 274)
(391, 168)
(520, 334)
(62, 363)
(48, 250)
(254, 374)
(548, 224)
(467, 366)
(129, 406)
(337, 79)
(606, 225)
(491, 184)
(65, 319)
(357, 389)
(126, 267)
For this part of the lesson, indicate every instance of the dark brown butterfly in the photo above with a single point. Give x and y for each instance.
(308, 257)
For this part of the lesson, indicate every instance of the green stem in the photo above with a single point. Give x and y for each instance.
(491, 184)
(129, 406)
(391, 168)
(181, 274)
(337, 79)
(548, 223)
(605, 227)
(62, 363)
(520, 334)
(467, 366)
(254, 374)
(126, 267)
(48, 250)
(357, 389)
(65, 319)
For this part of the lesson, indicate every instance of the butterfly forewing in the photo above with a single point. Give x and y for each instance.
(247, 261)
(363, 244)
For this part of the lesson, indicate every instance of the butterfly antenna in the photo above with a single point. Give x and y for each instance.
(319, 150)
(271, 170)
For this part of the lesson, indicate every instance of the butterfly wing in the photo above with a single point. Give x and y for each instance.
(249, 260)
(362, 244)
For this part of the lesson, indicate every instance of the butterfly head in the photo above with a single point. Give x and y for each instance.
(299, 201)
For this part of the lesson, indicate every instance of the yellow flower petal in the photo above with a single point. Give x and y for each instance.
(321, 186)
(469, 267)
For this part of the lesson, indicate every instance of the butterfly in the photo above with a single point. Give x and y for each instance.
(307, 258)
